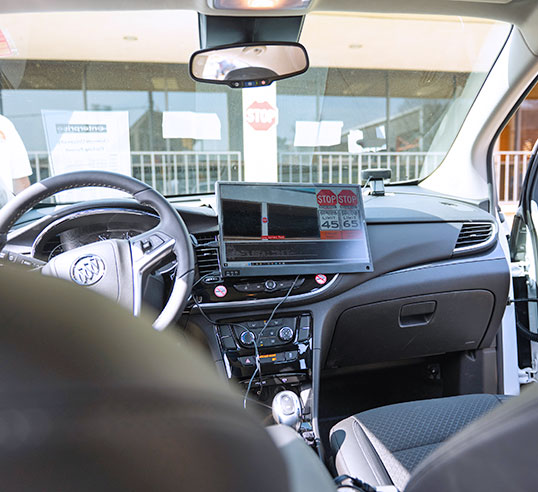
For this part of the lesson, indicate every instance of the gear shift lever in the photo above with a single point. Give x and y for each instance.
(287, 409)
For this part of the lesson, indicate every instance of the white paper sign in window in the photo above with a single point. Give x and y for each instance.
(87, 141)
(188, 124)
(318, 133)
(354, 141)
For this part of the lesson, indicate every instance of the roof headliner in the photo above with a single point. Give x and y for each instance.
(522, 13)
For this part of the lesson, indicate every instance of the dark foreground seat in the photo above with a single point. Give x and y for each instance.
(93, 399)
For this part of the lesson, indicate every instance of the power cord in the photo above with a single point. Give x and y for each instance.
(258, 370)
(256, 340)
(278, 306)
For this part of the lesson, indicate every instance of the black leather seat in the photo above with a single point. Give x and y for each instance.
(392, 444)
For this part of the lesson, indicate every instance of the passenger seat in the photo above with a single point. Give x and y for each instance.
(403, 444)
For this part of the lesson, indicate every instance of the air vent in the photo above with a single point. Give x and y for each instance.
(475, 236)
(207, 257)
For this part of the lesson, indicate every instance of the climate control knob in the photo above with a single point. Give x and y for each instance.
(285, 334)
(247, 338)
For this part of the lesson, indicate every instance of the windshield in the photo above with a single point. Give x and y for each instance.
(111, 90)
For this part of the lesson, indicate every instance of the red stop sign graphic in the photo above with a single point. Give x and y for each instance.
(346, 198)
(326, 198)
(261, 116)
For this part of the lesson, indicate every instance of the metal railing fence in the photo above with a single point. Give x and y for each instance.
(186, 172)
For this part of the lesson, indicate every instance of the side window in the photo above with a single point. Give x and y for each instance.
(511, 159)
(512, 152)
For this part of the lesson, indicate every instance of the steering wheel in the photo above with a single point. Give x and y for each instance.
(116, 268)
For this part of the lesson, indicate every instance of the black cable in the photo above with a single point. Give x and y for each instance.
(355, 484)
(526, 333)
(256, 340)
(257, 354)
(523, 299)
(258, 369)
(349, 486)
(278, 305)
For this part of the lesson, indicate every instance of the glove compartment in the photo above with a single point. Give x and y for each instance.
(409, 327)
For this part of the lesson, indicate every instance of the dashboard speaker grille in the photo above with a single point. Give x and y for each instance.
(475, 235)
(207, 257)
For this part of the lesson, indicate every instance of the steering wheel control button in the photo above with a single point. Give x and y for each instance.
(87, 270)
(270, 285)
(285, 334)
(321, 279)
(146, 245)
(247, 338)
(220, 291)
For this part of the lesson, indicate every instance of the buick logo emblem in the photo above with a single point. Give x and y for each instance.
(88, 270)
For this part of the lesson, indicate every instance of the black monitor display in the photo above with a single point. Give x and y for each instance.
(291, 229)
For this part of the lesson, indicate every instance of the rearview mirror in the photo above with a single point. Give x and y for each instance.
(248, 65)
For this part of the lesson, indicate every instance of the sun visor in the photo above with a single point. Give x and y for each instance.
(218, 30)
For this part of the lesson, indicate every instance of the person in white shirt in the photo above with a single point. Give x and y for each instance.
(15, 166)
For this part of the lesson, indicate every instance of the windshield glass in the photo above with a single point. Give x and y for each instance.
(111, 90)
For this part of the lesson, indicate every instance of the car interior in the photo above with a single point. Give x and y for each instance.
(312, 335)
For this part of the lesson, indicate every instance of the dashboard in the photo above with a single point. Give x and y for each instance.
(438, 284)
(412, 235)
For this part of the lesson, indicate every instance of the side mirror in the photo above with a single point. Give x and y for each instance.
(248, 65)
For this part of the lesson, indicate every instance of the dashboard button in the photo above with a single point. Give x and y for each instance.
(241, 287)
(225, 330)
(284, 284)
(304, 334)
(291, 355)
(281, 357)
(228, 343)
(255, 288)
(285, 334)
(246, 361)
(299, 283)
(255, 324)
(270, 285)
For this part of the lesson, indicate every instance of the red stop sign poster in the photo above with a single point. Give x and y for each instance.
(326, 198)
(346, 198)
(261, 116)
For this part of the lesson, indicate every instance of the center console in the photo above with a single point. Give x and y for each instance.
(283, 345)
(274, 242)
